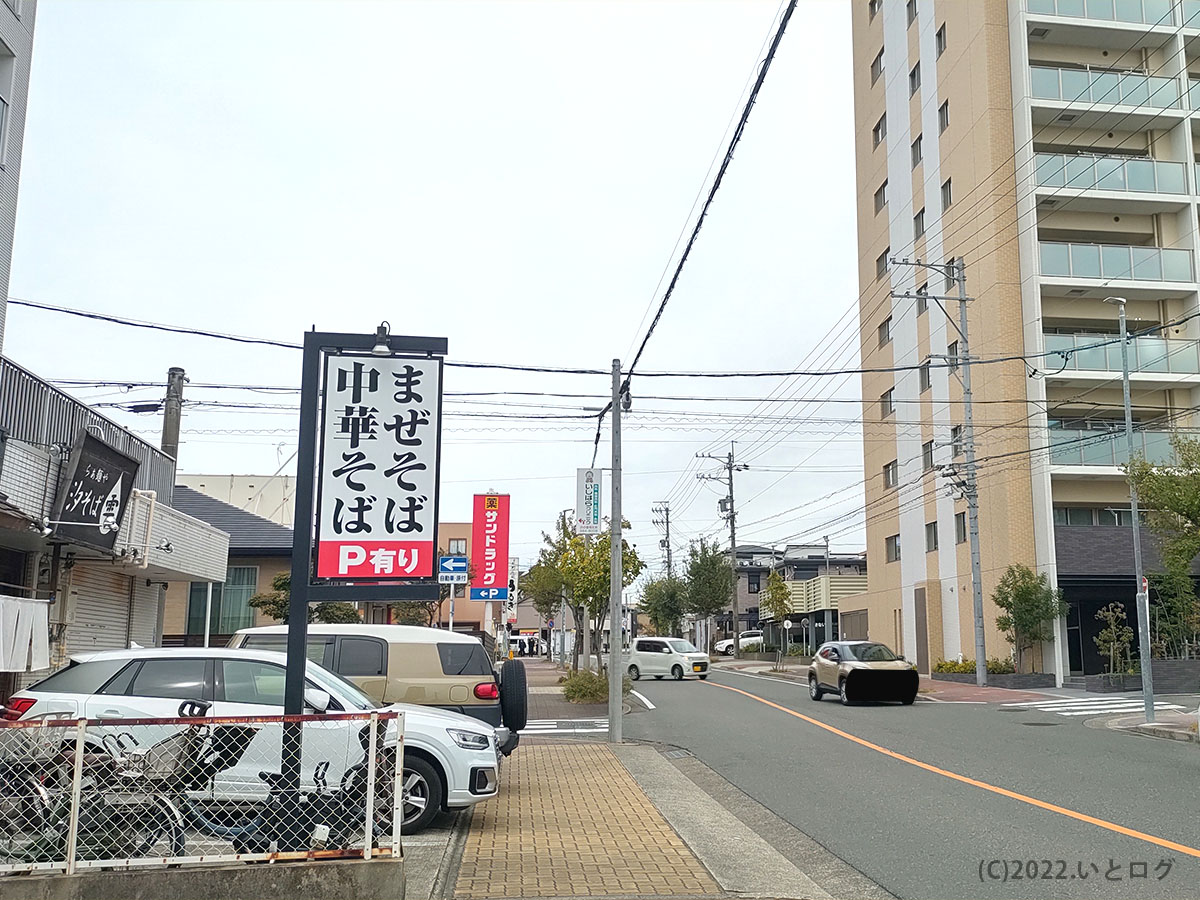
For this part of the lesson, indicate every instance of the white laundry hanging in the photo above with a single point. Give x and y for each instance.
(24, 634)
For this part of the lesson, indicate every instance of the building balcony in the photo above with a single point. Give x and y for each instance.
(1078, 447)
(1148, 356)
(1111, 173)
(1137, 12)
(1115, 262)
(1104, 86)
(824, 591)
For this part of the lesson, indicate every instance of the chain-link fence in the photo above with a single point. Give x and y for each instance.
(115, 793)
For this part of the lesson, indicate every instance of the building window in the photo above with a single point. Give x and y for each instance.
(939, 40)
(881, 262)
(879, 132)
(881, 196)
(887, 404)
(924, 376)
(923, 299)
(910, 10)
(960, 528)
(753, 582)
(956, 440)
(885, 331)
(917, 152)
(927, 455)
(947, 195)
(943, 117)
(892, 547)
(231, 609)
(914, 79)
(1077, 515)
(931, 537)
(891, 474)
(873, 7)
(952, 356)
(919, 225)
(458, 546)
(951, 268)
(877, 66)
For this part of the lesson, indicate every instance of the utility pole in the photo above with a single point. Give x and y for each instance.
(1142, 598)
(826, 556)
(726, 506)
(968, 484)
(662, 513)
(615, 673)
(173, 411)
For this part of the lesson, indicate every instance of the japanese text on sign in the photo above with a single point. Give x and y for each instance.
(380, 438)
(489, 541)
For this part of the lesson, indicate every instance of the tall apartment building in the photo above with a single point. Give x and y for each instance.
(1052, 146)
(16, 50)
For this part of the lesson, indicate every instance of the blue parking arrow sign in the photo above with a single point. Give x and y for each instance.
(489, 593)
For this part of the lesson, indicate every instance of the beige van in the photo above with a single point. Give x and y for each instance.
(411, 664)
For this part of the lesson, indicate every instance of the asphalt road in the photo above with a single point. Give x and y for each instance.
(1094, 799)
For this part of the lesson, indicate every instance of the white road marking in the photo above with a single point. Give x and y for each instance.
(641, 697)
(1089, 706)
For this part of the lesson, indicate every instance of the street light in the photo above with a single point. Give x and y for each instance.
(1143, 594)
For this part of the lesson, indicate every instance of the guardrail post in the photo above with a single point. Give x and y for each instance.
(76, 790)
(372, 764)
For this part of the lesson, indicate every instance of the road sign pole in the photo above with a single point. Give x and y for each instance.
(615, 675)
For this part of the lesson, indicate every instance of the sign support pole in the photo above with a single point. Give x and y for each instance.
(615, 673)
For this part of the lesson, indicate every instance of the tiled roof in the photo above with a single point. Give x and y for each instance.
(249, 535)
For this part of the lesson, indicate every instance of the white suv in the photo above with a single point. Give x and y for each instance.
(451, 761)
(745, 639)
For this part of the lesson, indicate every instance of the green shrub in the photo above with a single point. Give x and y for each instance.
(795, 650)
(995, 666)
(756, 647)
(589, 687)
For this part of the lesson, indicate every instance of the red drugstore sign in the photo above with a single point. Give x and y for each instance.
(489, 546)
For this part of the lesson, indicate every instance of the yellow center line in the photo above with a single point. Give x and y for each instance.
(983, 785)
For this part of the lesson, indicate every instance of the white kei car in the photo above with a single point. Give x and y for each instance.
(451, 761)
(745, 639)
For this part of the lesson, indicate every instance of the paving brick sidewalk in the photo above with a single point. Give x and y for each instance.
(542, 836)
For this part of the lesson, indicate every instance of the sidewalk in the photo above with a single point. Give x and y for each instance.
(546, 701)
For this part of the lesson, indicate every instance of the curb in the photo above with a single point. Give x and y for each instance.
(451, 861)
(1159, 731)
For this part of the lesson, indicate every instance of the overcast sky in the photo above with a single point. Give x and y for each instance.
(512, 175)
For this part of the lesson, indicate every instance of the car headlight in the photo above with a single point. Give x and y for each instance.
(469, 740)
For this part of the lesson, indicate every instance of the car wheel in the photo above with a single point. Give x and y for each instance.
(677, 672)
(704, 677)
(635, 673)
(422, 794)
(814, 690)
(514, 696)
(658, 678)
(908, 701)
(728, 651)
(842, 695)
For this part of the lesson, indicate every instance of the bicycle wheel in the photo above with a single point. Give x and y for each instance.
(158, 833)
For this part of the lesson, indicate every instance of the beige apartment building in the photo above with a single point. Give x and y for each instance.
(1051, 146)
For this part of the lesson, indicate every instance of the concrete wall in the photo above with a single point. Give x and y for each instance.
(16, 35)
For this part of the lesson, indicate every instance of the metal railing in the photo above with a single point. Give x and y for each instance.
(1104, 86)
(35, 411)
(123, 793)
(1146, 354)
(1141, 12)
(1111, 173)
(1114, 261)
(1080, 447)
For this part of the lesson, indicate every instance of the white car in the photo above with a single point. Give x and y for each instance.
(745, 639)
(665, 656)
(451, 761)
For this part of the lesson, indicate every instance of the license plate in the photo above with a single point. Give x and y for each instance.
(696, 668)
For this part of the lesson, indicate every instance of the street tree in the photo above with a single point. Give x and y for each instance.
(586, 566)
(776, 601)
(1115, 637)
(664, 601)
(275, 602)
(1030, 607)
(1170, 495)
(709, 580)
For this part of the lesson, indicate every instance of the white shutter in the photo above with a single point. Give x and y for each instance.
(101, 610)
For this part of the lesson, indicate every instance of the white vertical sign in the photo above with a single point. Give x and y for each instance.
(514, 574)
(587, 501)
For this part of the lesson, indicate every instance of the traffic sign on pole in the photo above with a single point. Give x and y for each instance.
(452, 570)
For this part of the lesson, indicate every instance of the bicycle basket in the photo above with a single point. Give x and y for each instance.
(32, 744)
(165, 759)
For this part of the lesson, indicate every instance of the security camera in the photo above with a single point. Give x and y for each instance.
(165, 547)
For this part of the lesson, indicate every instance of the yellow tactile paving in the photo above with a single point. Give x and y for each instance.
(570, 821)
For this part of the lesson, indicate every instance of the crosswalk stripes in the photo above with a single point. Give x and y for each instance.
(1089, 706)
(565, 726)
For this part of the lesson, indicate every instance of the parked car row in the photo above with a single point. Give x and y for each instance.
(462, 716)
